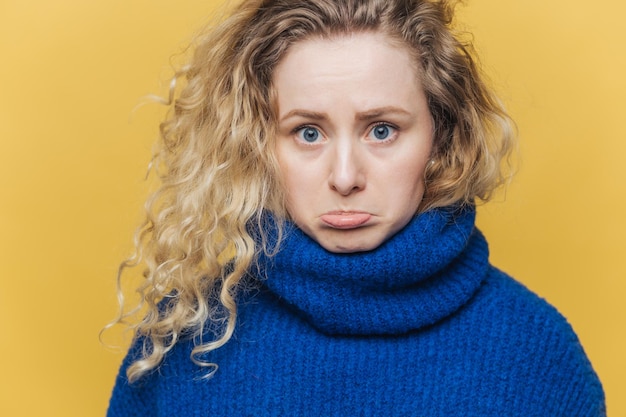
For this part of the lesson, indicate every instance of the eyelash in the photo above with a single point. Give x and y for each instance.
(393, 135)
(300, 128)
(371, 128)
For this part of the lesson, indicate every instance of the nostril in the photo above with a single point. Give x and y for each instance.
(346, 188)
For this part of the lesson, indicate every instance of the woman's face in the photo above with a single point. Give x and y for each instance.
(354, 137)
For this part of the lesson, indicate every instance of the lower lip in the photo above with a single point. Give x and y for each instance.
(346, 220)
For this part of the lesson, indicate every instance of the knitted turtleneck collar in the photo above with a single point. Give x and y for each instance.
(421, 275)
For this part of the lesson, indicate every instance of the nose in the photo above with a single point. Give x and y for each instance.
(347, 173)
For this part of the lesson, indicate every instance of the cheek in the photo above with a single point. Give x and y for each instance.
(301, 175)
(408, 177)
(409, 172)
(291, 177)
(284, 166)
(296, 183)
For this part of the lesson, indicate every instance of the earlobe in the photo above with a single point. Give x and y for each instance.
(429, 167)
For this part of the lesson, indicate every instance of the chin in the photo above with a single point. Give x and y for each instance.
(347, 249)
(347, 244)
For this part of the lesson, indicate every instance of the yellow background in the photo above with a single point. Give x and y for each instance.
(73, 154)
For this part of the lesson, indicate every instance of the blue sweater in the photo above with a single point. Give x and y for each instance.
(421, 326)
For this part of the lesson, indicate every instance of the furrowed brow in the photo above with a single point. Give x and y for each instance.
(305, 114)
(380, 112)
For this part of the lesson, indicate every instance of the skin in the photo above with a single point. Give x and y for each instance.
(354, 137)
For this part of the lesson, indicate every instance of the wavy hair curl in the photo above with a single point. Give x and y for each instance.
(219, 173)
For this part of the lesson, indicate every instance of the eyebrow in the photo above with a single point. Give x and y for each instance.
(305, 114)
(380, 112)
(365, 115)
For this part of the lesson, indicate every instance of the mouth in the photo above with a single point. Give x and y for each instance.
(345, 219)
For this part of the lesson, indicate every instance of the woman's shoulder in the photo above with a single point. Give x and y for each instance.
(537, 343)
(519, 304)
(509, 303)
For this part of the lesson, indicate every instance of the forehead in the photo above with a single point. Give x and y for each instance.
(365, 66)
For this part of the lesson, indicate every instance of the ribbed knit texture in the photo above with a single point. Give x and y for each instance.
(421, 326)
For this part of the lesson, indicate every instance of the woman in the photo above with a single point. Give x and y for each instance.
(312, 248)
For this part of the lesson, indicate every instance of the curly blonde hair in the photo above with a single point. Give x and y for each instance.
(218, 169)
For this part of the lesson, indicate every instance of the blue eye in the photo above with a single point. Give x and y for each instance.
(308, 134)
(382, 131)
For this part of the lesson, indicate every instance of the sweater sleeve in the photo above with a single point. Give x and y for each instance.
(137, 398)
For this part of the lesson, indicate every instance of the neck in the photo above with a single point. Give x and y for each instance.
(421, 275)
